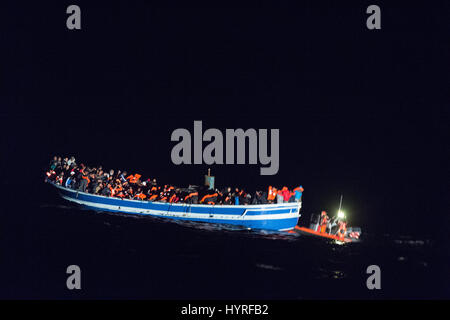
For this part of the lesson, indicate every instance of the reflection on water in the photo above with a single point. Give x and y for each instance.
(124, 256)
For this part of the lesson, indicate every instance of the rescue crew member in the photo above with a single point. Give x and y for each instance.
(342, 229)
(323, 222)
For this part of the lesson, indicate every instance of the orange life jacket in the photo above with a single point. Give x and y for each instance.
(208, 196)
(134, 179)
(191, 195)
(141, 196)
(272, 193)
(86, 178)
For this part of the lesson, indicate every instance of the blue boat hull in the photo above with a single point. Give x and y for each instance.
(279, 217)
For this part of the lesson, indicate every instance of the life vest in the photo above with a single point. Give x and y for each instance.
(190, 195)
(174, 198)
(153, 197)
(208, 196)
(86, 178)
(112, 191)
(50, 173)
(272, 193)
(133, 178)
(140, 196)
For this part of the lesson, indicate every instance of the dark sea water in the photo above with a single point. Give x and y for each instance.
(130, 257)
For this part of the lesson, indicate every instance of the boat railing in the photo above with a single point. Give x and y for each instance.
(246, 207)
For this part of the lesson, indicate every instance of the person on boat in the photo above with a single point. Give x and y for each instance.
(53, 163)
(69, 181)
(167, 192)
(324, 219)
(271, 194)
(152, 193)
(176, 197)
(244, 198)
(106, 191)
(286, 194)
(118, 175)
(71, 161)
(220, 196)
(235, 197)
(342, 229)
(228, 200)
(84, 182)
(210, 198)
(120, 194)
(298, 193)
(225, 196)
(259, 198)
(98, 189)
(60, 178)
(129, 193)
(162, 197)
(116, 183)
(191, 197)
(122, 176)
(292, 196)
(51, 175)
(280, 196)
(139, 194)
(133, 179)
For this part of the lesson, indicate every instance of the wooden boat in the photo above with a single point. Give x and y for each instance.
(278, 217)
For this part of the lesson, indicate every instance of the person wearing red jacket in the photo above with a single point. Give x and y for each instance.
(286, 194)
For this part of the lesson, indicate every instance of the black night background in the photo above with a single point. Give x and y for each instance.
(363, 113)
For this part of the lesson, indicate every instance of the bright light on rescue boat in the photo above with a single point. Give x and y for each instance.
(341, 214)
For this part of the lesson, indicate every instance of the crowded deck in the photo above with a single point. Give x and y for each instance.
(67, 173)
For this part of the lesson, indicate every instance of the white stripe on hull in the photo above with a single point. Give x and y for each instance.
(208, 216)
